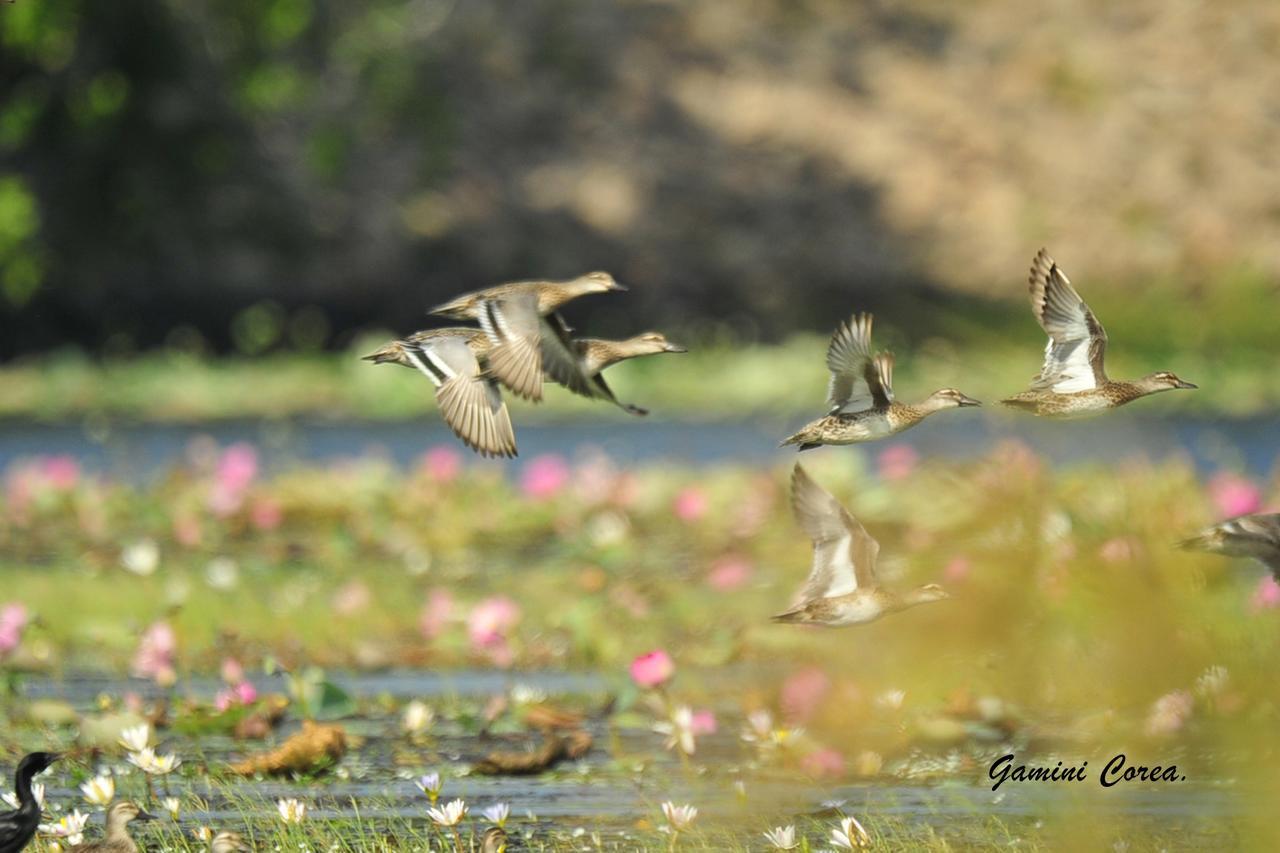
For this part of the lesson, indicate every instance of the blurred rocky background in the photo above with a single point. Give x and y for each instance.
(250, 175)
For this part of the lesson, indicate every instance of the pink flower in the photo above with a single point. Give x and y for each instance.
(232, 672)
(897, 461)
(653, 669)
(155, 656)
(491, 620)
(729, 573)
(803, 692)
(266, 514)
(235, 472)
(351, 598)
(691, 504)
(442, 463)
(544, 476)
(60, 472)
(824, 764)
(703, 723)
(13, 621)
(1234, 495)
(435, 613)
(1266, 595)
(957, 570)
(246, 693)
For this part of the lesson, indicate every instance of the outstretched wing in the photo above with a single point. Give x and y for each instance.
(1073, 358)
(844, 554)
(470, 402)
(514, 330)
(856, 383)
(561, 361)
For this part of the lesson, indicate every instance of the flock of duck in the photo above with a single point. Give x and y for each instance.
(522, 339)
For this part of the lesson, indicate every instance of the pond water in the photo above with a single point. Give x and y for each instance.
(140, 450)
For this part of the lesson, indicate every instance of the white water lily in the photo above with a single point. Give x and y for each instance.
(173, 806)
(202, 833)
(291, 810)
(850, 835)
(782, 838)
(679, 818)
(679, 730)
(759, 727)
(100, 790)
(450, 815)
(37, 791)
(135, 739)
(497, 814)
(69, 828)
(430, 785)
(148, 762)
(141, 557)
(417, 718)
(526, 694)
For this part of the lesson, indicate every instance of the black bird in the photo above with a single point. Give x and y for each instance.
(18, 826)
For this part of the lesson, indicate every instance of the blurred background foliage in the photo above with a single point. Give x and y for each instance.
(252, 176)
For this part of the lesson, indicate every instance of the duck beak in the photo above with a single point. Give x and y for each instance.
(1184, 384)
(145, 816)
(969, 401)
(670, 347)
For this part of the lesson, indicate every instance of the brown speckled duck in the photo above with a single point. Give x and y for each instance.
(1073, 382)
(595, 354)
(860, 394)
(455, 360)
(842, 588)
(526, 335)
(117, 838)
(1256, 536)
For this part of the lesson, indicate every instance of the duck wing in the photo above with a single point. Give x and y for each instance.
(844, 554)
(1256, 536)
(856, 383)
(1073, 358)
(470, 401)
(562, 361)
(515, 332)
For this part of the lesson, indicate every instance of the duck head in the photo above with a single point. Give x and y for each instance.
(649, 343)
(1163, 381)
(122, 813)
(925, 594)
(392, 353)
(949, 398)
(594, 282)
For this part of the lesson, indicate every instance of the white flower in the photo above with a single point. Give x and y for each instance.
(429, 785)
(497, 814)
(850, 835)
(136, 739)
(141, 557)
(891, 699)
(222, 573)
(202, 833)
(173, 806)
(100, 790)
(70, 827)
(525, 694)
(679, 730)
(418, 717)
(453, 812)
(679, 817)
(759, 726)
(782, 838)
(291, 810)
(37, 791)
(148, 762)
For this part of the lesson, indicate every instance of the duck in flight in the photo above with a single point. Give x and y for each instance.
(526, 333)
(860, 394)
(842, 588)
(1256, 536)
(1073, 381)
(595, 354)
(456, 362)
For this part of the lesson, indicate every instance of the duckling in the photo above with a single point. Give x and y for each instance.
(494, 840)
(1073, 382)
(842, 588)
(860, 394)
(18, 826)
(117, 838)
(527, 335)
(1256, 536)
(594, 355)
(455, 360)
(229, 842)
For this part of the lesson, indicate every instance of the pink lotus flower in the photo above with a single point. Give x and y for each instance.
(351, 598)
(266, 514)
(729, 573)
(1266, 595)
(691, 504)
(1234, 495)
(544, 477)
(703, 723)
(897, 461)
(243, 693)
(442, 463)
(803, 692)
(653, 669)
(491, 620)
(823, 764)
(13, 621)
(235, 472)
(155, 656)
(435, 614)
(60, 472)
(957, 571)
